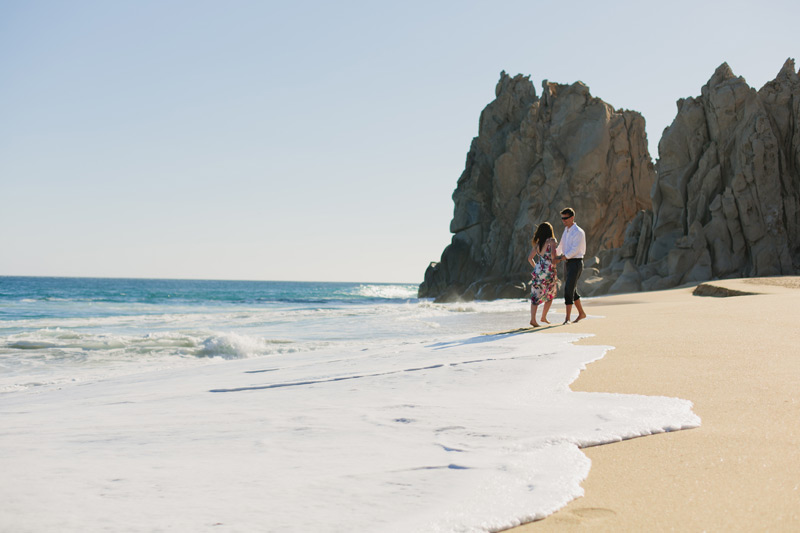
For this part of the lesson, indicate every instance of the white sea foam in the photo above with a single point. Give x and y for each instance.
(387, 291)
(62, 355)
(340, 417)
(133, 343)
(234, 346)
(460, 432)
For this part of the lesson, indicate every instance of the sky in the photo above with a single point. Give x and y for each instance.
(306, 140)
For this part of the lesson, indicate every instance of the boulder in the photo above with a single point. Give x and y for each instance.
(629, 281)
(513, 290)
(594, 285)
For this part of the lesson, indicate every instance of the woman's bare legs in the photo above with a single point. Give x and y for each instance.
(533, 315)
(545, 309)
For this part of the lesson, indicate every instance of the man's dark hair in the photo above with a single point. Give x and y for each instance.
(568, 211)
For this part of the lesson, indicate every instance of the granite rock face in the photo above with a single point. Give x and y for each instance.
(532, 157)
(726, 202)
(723, 200)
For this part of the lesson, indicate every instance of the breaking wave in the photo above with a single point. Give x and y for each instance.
(235, 346)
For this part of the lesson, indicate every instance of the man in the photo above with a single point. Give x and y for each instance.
(572, 248)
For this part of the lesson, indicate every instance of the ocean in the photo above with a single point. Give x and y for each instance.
(60, 330)
(181, 405)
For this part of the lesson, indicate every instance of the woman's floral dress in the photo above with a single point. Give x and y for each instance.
(544, 277)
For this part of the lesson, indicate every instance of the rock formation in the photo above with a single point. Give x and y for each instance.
(726, 202)
(531, 158)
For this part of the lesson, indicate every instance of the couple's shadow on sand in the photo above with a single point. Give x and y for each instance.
(489, 337)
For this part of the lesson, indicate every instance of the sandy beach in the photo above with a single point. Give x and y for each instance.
(738, 359)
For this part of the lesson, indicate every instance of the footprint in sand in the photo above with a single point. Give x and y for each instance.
(583, 514)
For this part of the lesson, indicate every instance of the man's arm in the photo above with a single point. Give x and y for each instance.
(581, 248)
(567, 245)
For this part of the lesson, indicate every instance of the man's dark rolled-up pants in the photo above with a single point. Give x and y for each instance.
(574, 270)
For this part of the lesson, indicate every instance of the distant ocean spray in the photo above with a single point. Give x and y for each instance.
(282, 406)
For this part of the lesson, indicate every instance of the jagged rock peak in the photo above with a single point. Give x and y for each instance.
(552, 90)
(723, 75)
(788, 71)
(723, 72)
(780, 89)
(518, 85)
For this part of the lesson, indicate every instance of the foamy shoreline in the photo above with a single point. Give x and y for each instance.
(431, 426)
(738, 359)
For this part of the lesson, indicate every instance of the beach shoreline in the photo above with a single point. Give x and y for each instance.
(182, 405)
(737, 359)
(208, 438)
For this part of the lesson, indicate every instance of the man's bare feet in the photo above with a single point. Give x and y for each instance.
(534, 324)
(545, 320)
(566, 322)
(580, 317)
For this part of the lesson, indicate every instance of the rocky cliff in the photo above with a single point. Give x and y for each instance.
(723, 201)
(532, 157)
(726, 202)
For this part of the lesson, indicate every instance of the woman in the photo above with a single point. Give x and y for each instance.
(544, 277)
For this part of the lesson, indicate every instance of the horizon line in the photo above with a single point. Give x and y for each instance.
(205, 279)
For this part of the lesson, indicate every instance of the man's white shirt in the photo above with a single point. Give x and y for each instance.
(573, 242)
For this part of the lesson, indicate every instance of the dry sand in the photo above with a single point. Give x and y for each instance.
(738, 359)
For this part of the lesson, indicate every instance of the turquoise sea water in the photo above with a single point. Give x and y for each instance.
(54, 330)
(36, 297)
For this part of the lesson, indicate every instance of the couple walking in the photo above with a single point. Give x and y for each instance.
(571, 249)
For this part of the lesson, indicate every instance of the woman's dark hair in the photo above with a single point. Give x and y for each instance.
(544, 231)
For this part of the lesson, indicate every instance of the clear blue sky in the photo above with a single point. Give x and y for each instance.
(305, 140)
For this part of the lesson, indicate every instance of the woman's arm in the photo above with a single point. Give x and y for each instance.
(553, 251)
(531, 256)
